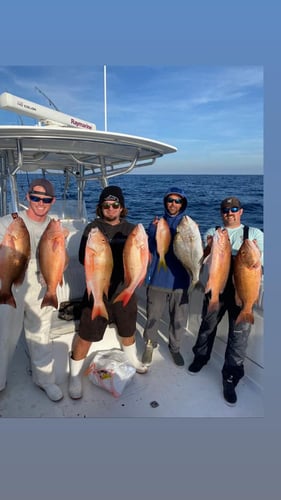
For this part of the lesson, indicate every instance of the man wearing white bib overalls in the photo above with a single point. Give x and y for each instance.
(28, 314)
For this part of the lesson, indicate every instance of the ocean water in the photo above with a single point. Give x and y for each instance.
(144, 195)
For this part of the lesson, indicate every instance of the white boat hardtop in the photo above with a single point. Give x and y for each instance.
(86, 154)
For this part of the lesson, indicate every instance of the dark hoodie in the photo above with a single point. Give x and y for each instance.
(175, 276)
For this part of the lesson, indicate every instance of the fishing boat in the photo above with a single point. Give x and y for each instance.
(72, 148)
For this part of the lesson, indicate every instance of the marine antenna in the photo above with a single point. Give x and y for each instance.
(51, 103)
(105, 98)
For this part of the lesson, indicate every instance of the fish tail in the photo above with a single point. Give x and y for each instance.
(99, 310)
(50, 299)
(162, 263)
(200, 287)
(213, 306)
(195, 285)
(245, 317)
(123, 297)
(8, 298)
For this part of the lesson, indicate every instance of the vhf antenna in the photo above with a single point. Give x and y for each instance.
(51, 103)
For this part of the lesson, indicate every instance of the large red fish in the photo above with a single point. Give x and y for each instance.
(247, 278)
(98, 264)
(219, 261)
(163, 240)
(53, 260)
(135, 260)
(14, 258)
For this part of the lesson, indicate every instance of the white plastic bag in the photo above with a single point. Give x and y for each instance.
(111, 370)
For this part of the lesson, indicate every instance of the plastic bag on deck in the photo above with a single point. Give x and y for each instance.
(111, 371)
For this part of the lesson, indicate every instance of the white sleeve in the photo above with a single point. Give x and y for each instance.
(4, 223)
(257, 234)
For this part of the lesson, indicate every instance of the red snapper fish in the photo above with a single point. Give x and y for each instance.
(14, 258)
(98, 264)
(53, 260)
(135, 261)
(219, 261)
(163, 240)
(247, 274)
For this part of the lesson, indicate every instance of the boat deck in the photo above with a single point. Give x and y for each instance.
(166, 390)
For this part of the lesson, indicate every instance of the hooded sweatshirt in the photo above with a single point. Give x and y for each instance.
(175, 276)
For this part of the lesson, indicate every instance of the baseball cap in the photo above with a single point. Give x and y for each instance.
(47, 185)
(230, 202)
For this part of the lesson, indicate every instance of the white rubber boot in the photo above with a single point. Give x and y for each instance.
(53, 391)
(75, 390)
(131, 355)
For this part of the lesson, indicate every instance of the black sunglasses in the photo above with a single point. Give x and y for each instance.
(116, 204)
(178, 201)
(36, 199)
(231, 209)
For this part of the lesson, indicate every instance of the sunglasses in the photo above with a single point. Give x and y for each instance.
(178, 201)
(113, 205)
(233, 210)
(36, 199)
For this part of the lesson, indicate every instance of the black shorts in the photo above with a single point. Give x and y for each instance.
(125, 319)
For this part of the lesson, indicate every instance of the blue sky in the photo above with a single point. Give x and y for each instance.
(213, 115)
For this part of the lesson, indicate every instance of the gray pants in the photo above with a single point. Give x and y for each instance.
(176, 301)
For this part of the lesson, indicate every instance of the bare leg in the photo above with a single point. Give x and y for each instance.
(80, 348)
(128, 340)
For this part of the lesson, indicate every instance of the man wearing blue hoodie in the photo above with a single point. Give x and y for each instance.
(167, 286)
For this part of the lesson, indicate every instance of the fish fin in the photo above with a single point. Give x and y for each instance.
(67, 259)
(99, 310)
(123, 297)
(89, 289)
(245, 317)
(8, 298)
(238, 301)
(42, 280)
(20, 279)
(49, 299)
(141, 282)
(56, 244)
